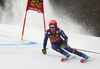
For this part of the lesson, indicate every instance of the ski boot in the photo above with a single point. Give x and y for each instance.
(85, 58)
(67, 56)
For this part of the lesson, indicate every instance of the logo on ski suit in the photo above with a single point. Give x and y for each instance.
(54, 38)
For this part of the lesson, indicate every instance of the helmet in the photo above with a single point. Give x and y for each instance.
(53, 22)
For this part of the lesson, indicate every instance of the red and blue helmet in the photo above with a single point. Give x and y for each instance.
(52, 23)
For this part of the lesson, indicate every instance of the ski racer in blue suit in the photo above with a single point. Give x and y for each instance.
(59, 41)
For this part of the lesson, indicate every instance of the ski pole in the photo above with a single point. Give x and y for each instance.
(84, 50)
(88, 51)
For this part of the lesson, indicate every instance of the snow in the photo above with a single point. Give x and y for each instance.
(31, 57)
(15, 54)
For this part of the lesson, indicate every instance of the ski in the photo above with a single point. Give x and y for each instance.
(83, 60)
(63, 59)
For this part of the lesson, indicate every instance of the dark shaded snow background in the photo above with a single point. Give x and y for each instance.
(78, 16)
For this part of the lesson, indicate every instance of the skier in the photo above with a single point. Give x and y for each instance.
(58, 41)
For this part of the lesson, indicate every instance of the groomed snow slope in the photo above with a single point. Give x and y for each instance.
(23, 56)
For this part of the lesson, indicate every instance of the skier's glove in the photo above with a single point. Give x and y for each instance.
(64, 45)
(44, 51)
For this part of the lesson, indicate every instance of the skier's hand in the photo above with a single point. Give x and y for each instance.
(63, 45)
(44, 51)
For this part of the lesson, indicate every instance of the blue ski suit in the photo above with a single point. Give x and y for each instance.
(57, 45)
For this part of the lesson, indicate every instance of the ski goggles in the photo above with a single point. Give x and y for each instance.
(52, 26)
